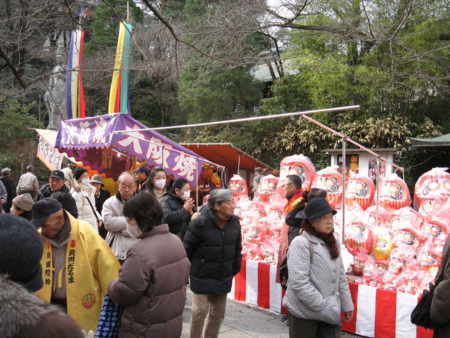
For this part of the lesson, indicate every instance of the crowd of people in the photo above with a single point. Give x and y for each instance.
(69, 245)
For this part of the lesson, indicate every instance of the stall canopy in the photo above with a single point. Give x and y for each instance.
(432, 142)
(107, 143)
(227, 155)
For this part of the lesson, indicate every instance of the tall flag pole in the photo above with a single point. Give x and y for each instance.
(118, 94)
(75, 100)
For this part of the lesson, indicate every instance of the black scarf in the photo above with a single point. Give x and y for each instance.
(329, 239)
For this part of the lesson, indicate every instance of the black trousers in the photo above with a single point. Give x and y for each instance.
(306, 328)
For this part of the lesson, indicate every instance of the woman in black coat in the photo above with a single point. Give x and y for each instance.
(178, 207)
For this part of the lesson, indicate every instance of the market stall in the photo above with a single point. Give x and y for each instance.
(391, 250)
(104, 144)
(232, 158)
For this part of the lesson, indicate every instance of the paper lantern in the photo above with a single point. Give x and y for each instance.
(437, 180)
(393, 193)
(330, 180)
(238, 186)
(361, 190)
(405, 217)
(358, 238)
(299, 165)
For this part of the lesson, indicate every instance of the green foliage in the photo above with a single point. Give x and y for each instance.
(17, 138)
(104, 27)
(218, 94)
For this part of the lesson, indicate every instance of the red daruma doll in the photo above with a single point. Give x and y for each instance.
(299, 165)
(404, 217)
(330, 180)
(432, 203)
(435, 181)
(407, 241)
(394, 193)
(267, 188)
(238, 187)
(358, 239)
(360, 190)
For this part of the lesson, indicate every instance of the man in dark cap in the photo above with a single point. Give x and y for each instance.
(213, 244)
(22, 314)
(141, 174)
(56, 183)
(77, 263)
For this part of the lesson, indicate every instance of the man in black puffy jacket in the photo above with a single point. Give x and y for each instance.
(213, 244)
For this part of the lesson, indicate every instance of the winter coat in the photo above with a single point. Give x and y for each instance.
(116, 224)
(10, 190)
(440, 305)
(215, 253)
(3, 194)
(24, 315)
(152, 286)
(28, 182)
(293, 223)
(101, 199)
(317, 286)
(175, 215)
(71, 205)
(85, 201)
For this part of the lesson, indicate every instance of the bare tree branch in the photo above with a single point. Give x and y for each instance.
(155, 11)
(12, 68)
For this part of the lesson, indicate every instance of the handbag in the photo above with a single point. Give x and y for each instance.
(109, 322)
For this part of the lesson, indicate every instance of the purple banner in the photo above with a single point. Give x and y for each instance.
(92, 140)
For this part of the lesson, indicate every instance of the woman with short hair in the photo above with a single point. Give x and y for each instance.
(152, 282)
(317, 289)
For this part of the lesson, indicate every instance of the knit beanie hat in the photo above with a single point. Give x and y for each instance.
(21, 251)
(219, 196)
(23, 202)
(78, 172)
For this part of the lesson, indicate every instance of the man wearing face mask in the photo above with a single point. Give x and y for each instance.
(84, 197)
(178, 207)
(213, 245)
(77, 264)
(115, 222)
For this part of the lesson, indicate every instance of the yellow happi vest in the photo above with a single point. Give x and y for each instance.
(90, 266)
